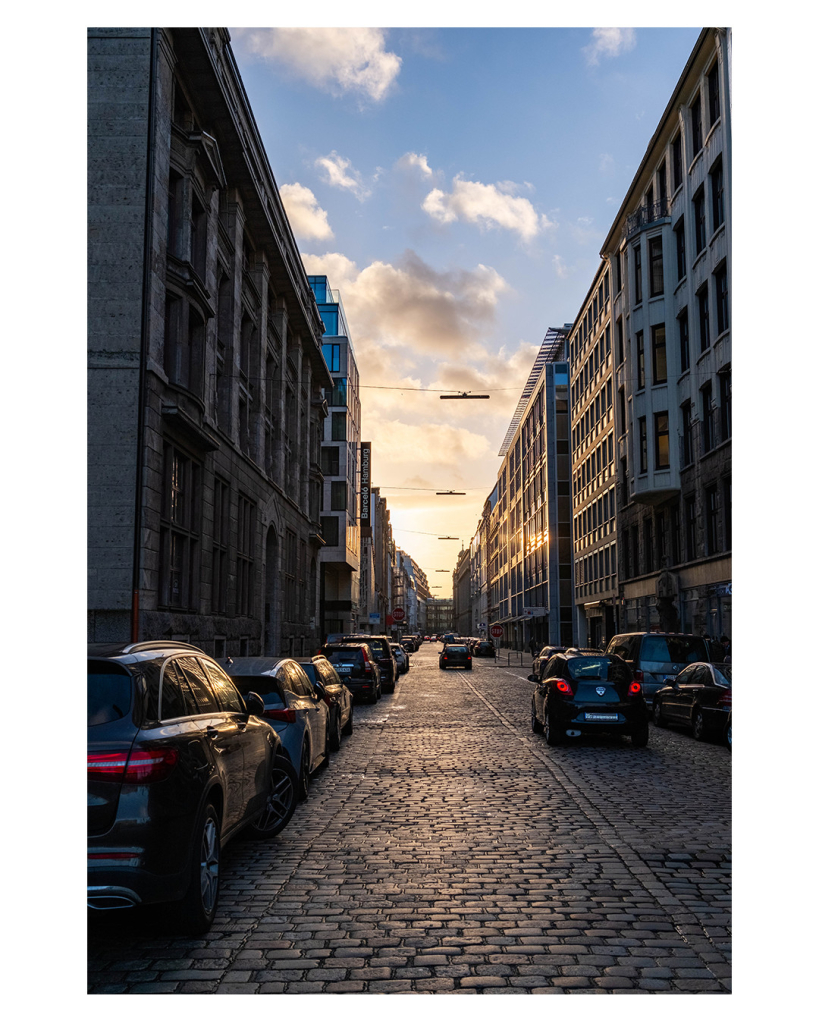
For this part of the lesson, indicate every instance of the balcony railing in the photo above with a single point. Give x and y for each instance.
(647, 215)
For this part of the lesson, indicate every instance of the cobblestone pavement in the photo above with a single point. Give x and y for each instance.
(447, 849)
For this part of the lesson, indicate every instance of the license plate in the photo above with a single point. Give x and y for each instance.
(344, 670)
(594, 717)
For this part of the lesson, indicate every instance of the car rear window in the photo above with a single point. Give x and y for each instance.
(267, 688)
(722, 674)
(350, 656)
(456, 649)
(603, 669)
(110, 691)
(678, 649)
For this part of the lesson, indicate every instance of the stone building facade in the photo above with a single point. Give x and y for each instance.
(669, 253)
(205, 373)
(463, 622)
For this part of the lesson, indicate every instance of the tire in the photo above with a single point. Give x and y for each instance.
(698, 724)
(348, 728)
(657, 714)
(197, 907)
(281, 800)
(537, 725)
(304, 773)
(553, 737)
(728, 734)
(335, 732)
(639, 735)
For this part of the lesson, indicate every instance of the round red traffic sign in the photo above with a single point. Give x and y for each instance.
(398, 614)
(496, 631)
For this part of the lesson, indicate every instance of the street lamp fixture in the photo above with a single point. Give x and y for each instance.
(447, 538)
(450, 492)
(463, 394)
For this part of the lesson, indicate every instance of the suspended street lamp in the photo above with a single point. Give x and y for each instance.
(450, 492)
(464, 394)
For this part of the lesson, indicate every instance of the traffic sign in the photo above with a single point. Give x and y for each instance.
(398, 614)
(496, 631)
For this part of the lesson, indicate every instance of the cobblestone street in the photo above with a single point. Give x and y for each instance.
(447, 849)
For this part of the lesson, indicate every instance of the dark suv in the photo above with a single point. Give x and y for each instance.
(656, 658)
(380, 646)
(357, 667)
(178, 763)
(588, 692)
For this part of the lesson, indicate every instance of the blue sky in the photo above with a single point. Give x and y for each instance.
(456, 185)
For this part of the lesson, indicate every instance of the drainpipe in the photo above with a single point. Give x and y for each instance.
(143, 353)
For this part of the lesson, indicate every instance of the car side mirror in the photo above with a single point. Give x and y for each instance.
(254, 704)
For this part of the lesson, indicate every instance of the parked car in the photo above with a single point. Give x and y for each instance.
(585, 693)
(291, 705)
(656, 658)
(455, 655)
(484, 649)
(401, 658)
(334, 693)
(700, 699)
(449, 638)
(357, 667)
(541, 659)
(178, 763)
(380, 646)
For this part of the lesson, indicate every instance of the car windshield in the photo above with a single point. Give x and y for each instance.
(109, 693)
(680, 649)
(267, 688)
(604, 669)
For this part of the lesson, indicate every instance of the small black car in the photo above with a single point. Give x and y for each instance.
(336, 695)
(455, 656)
(700, 699)
(583, 692)
(178, 763)
(484, 649)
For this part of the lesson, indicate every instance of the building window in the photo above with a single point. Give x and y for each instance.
(338, 496)
(655, 257)
(676, 162)
(621, 347)
(618, 271)
(725, 403)
(332, 356)
(635, 549)
(713, 95)
(221, 528)
(339, 426)
(662, 540)
(721, 292)
(706, 407)
(329, 460)
(245, 536)
(199, 238)
(638, 275)
(691, 528)
(337, 395)
(329, 530)
(717, 195)
(679, 235)
(661, 454)
(676, 535)
(641, 360)
(175, 219)
(699, 221)
(643, 442)
(682, 334)
(687, 435)
(696, 125)
(658, 358)
(712, 545)
(622, 403)
(705, 323)
(662, 180)
(726, 504)
(648, 544)
(179, 532)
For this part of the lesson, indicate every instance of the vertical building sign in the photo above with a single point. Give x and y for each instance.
(366, 515)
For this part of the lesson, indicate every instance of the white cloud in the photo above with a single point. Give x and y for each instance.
(486, 205)
(609, 42)
(606, 163)
(307, 219)
(414, 162)
(560, 267)
(339, 172)
(337, 60)
(410, 304)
